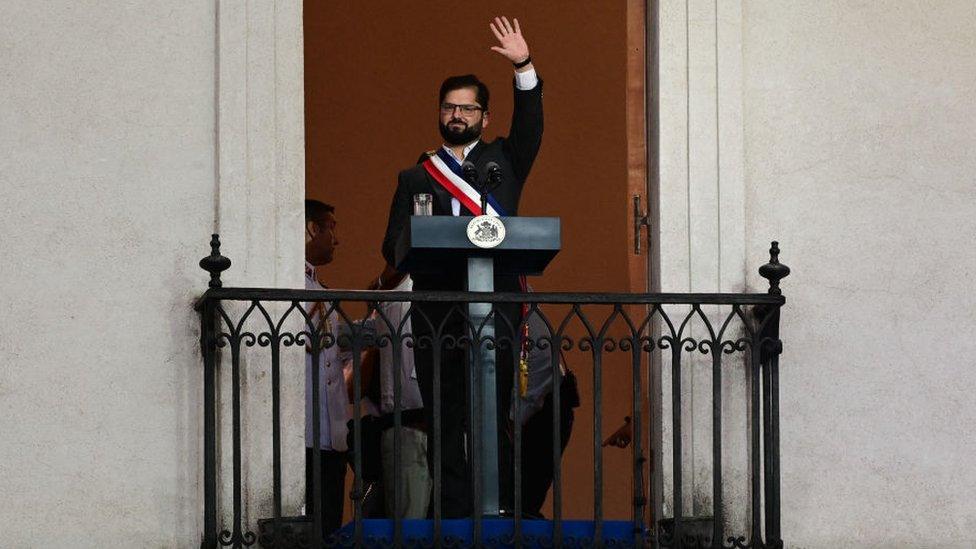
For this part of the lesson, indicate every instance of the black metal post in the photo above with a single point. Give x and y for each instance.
(557, 474)
(517, 454)
(397, 488)
(213, 264)
(676, 531)
(773, 533)
(767, 440)
(597, 350)
(275, 341)
(754, 430)
(774, 271)
(717, 521)
(235, 358)
(435, 430)
(357, 428)
(313, 501)
(208, 346)
(476, 433)
(640, 499)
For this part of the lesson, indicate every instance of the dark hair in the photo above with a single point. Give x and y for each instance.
(316, 210)
(466, 81)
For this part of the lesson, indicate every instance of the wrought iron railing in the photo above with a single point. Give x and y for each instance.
(729, 330)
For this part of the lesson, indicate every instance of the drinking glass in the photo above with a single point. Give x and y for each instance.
(422, 204)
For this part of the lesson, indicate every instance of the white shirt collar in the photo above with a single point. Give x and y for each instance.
(309, 271)
(465, 151)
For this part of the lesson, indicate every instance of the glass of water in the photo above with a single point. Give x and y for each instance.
(422, 204)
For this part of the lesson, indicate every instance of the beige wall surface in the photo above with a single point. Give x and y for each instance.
(845, 130)
(701, 241)
(860, 157)
(107, 170)
(124, 142)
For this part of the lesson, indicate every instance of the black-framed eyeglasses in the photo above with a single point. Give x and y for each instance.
(449, 108)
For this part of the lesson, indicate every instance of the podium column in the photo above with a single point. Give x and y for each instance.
(481, 278)
(440, 244)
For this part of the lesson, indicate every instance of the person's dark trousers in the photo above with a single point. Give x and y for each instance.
(537, 447)
(456, 494)
(331, 500)
(455, 491)
(372, 461)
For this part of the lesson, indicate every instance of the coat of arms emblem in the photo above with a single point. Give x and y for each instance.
(486, 231)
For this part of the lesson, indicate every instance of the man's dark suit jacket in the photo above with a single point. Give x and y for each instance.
(514, 154)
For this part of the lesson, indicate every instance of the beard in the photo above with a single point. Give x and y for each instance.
(460, 137)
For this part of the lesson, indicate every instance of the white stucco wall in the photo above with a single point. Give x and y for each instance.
(107, 178)
(860, 148)
(110, 184)
(260, 217)
(845, 130)
(701, 240)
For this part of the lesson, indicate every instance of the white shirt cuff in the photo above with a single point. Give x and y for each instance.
(526, 80)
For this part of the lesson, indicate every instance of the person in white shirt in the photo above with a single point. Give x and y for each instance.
(416, 484)
(333, 369)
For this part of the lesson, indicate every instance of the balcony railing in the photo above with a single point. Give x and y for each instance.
(630, 332)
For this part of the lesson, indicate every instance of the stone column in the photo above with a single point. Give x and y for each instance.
(701, 238)
(260, 188)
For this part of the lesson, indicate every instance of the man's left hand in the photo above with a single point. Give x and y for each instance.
(621, 437)
(512, 45)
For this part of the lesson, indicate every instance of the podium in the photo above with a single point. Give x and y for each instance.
(480, 247)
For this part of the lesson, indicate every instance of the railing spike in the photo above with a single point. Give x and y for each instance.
(215, 263)
(774, 271)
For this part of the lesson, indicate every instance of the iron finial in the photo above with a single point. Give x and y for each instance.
(215, 263)
(774, 271)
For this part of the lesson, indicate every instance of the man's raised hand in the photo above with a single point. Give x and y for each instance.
(511, 44)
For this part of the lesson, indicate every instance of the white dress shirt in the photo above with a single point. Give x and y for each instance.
(333, 398)
(523, 81)
(409, 390)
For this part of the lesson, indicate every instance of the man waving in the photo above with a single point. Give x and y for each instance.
(463, 115)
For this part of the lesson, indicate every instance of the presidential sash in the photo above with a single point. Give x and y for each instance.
(447, 173)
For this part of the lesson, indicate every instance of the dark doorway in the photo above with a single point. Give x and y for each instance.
(372, 71)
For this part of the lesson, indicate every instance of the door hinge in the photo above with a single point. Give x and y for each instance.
(641, 219)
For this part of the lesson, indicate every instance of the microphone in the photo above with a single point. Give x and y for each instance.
(494, 175)
(470, 173)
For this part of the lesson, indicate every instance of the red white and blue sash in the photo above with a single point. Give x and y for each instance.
(447, 173)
